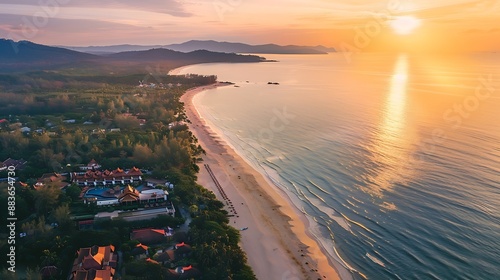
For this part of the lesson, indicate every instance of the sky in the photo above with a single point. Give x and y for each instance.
(352, 25)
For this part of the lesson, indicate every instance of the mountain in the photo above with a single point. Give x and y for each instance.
(25, 55)
(28, 56)
(28, 52)
(245, 48)
(199, 56)
(210, 46)
(103, 50)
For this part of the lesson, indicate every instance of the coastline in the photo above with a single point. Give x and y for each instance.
(277, 243)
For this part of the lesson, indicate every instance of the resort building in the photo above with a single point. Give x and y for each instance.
(110, 178)
(150, 235)
(94, 263)
(158, 182)
(125, 195)
(52, 179)
(92, 165)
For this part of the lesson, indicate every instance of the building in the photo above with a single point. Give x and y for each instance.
(54, 179)
(185, 272)
(106, 177)
(92, 165)
(158, 182)
(149, 236)
(140, 251)
(127, 195)
(94, 263)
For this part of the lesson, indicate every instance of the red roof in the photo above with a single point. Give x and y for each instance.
(106, 175)
(148, 235)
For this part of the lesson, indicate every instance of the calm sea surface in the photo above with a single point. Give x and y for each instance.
(395, 159)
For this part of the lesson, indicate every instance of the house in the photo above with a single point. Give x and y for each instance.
(25, 129)
(181, 250)
(177, 253)
(185, 272)
(158, 182)
(98, 178)
(18, 164)
(69, 121)
(94, 263)
(114, 130)
(53, 179)
(176, 124)
(140, 251)
(92, 165)
(149, 236)
(163, 257)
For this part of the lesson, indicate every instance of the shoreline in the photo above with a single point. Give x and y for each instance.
(277, 243)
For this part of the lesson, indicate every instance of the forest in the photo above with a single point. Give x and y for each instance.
(57, 122)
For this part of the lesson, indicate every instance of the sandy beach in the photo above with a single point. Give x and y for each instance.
(276, 241)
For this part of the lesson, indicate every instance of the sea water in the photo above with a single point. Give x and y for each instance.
(393, 158)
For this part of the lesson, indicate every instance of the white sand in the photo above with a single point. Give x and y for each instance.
(276, 242)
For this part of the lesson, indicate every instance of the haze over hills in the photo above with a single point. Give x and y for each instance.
(198, 56)
(211, 45)
(25, 56)
(29, 52)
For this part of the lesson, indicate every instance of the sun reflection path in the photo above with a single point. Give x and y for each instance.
(389, 148)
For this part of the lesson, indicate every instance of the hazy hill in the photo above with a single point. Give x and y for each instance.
(28, 52)
(28, 56)
(245, 48)
(199, 56)
(211, 46)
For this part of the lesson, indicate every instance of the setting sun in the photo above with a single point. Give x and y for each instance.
(404, 25)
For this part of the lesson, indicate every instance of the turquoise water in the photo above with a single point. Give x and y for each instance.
(394, 159)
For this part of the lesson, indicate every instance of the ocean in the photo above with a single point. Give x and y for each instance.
(393, 158)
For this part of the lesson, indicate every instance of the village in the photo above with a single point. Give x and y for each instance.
(124, 194)
(105, 184)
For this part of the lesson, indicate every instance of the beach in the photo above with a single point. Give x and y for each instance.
(276, 241)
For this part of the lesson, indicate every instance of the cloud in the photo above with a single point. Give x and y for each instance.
(170, 7)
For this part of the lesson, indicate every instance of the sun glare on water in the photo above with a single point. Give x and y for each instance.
(404, 25)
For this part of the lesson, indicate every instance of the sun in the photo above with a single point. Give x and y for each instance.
(404, 25)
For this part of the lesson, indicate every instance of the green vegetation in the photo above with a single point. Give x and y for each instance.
(73, 119)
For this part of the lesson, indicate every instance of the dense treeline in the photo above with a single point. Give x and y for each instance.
(70, 126)
(143, 117)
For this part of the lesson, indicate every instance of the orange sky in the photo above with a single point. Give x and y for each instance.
(361, 25)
